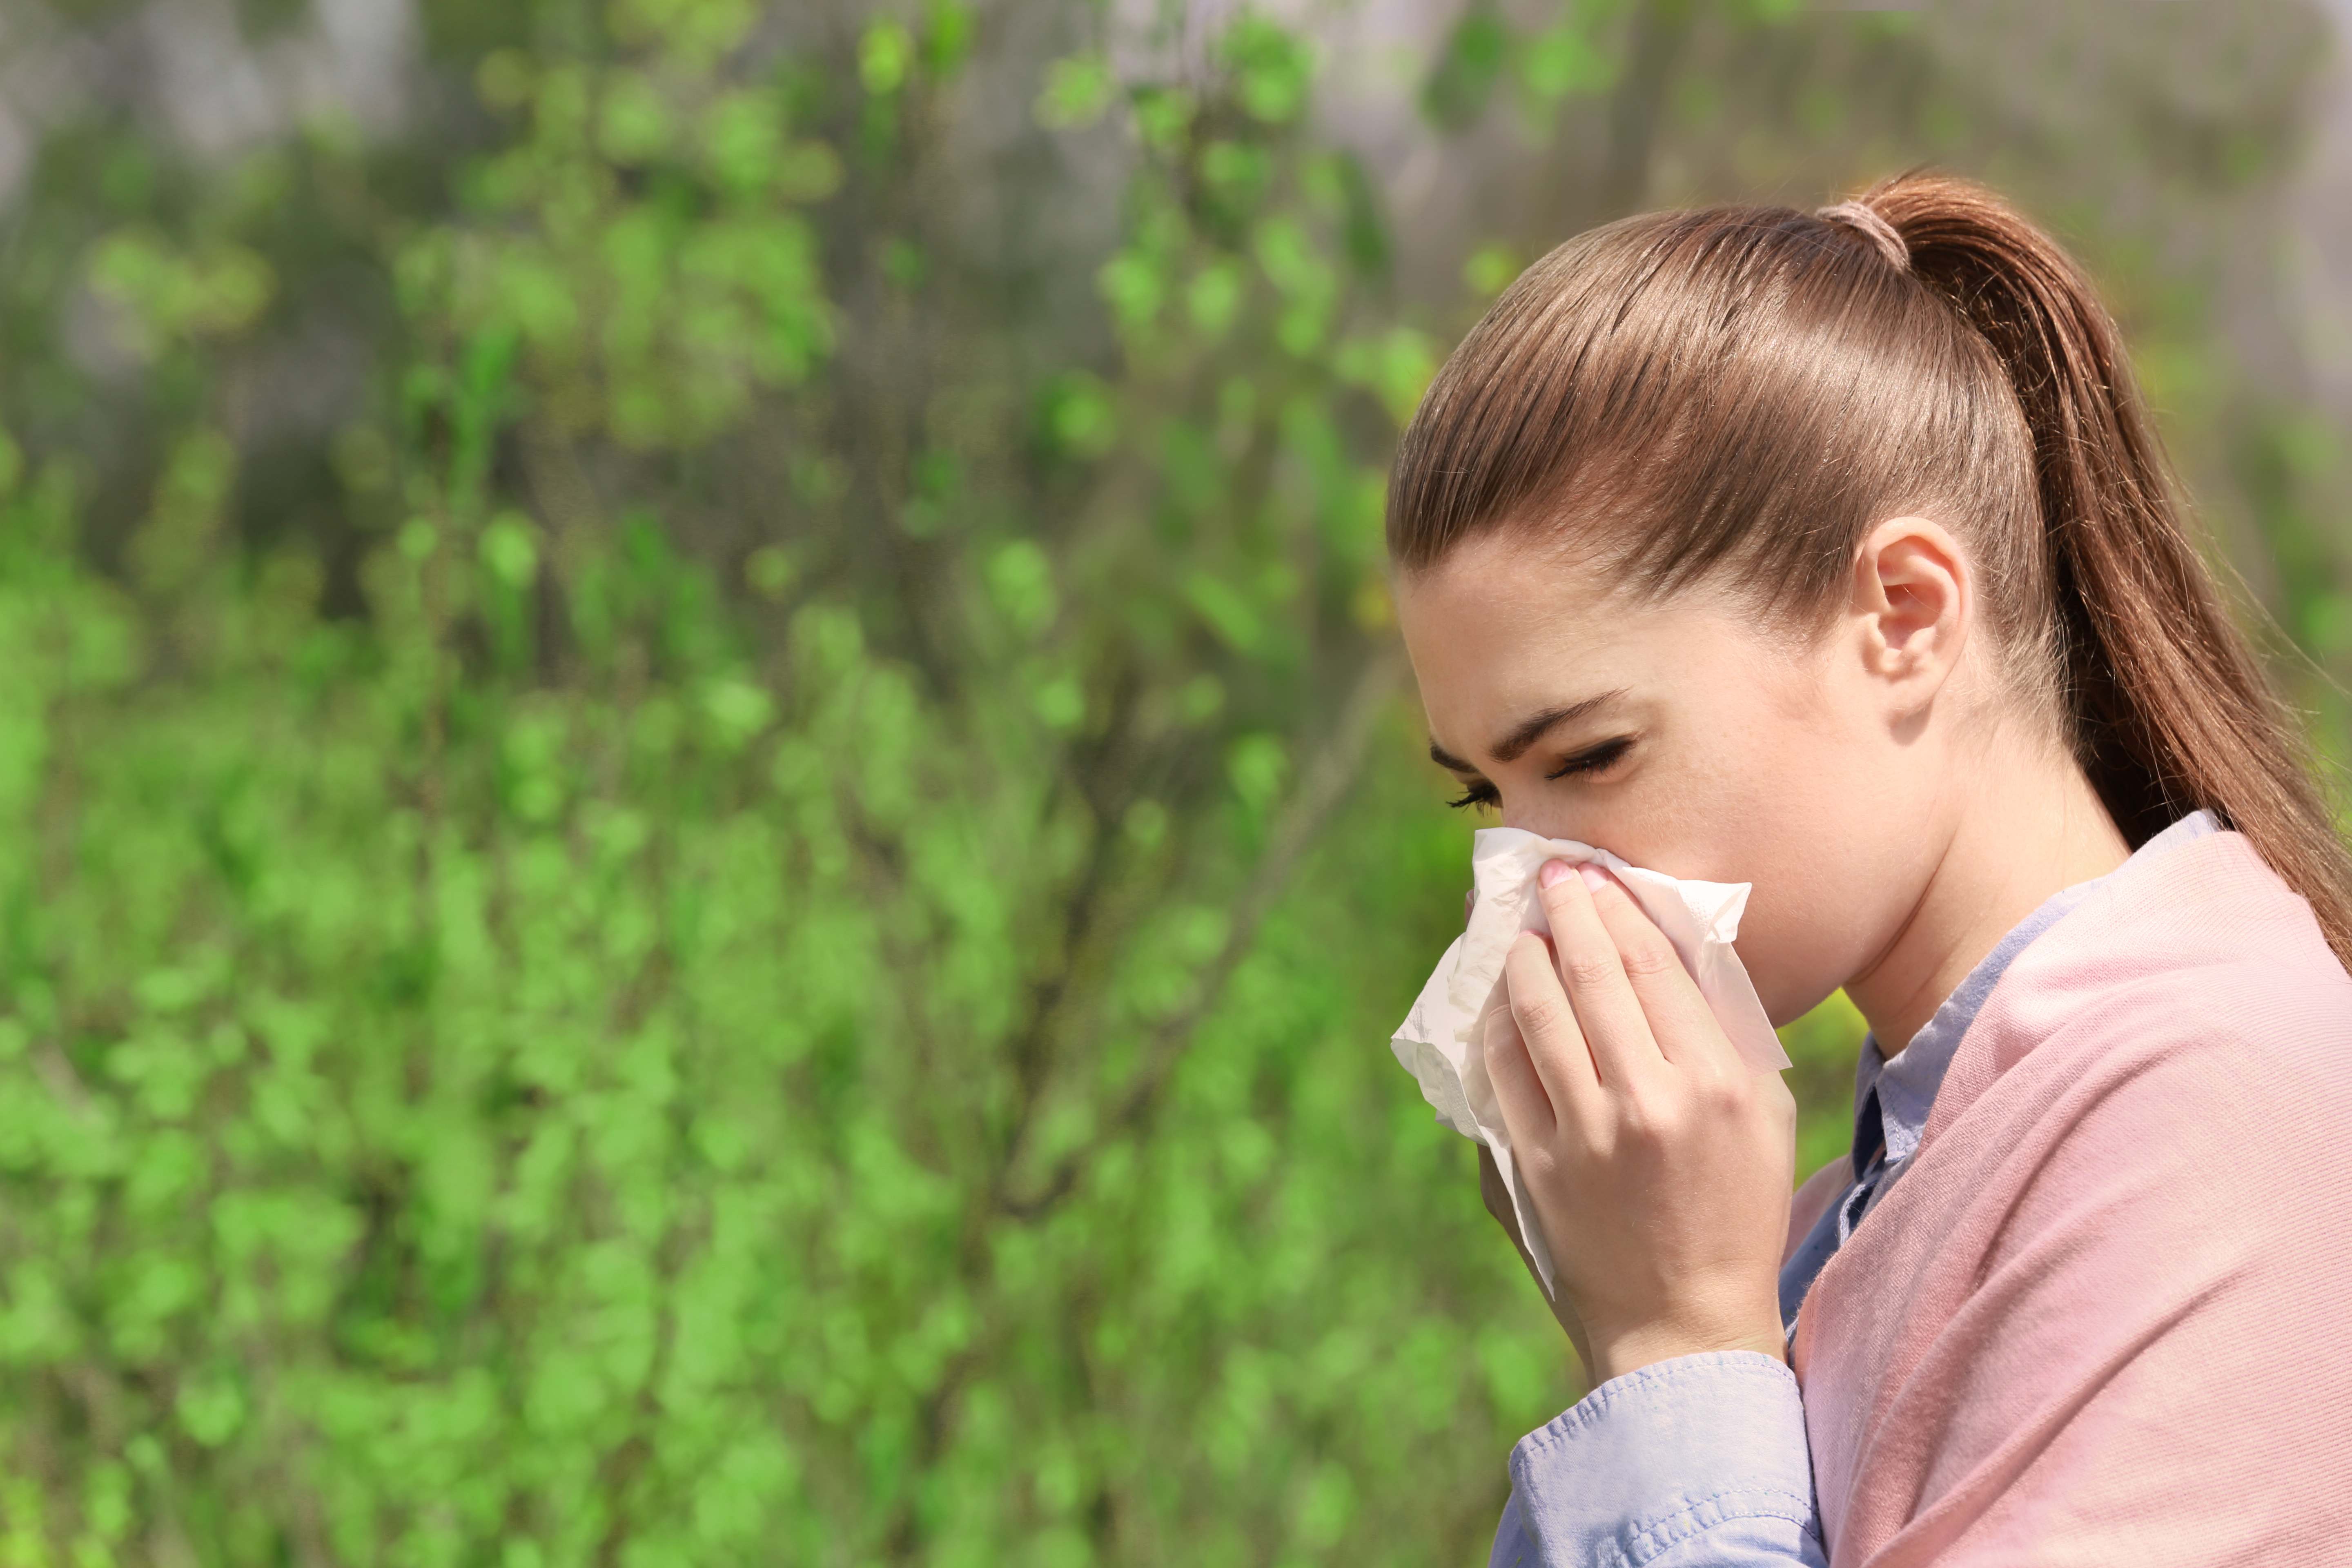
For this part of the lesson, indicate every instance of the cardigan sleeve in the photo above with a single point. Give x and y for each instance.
(1697, 1461)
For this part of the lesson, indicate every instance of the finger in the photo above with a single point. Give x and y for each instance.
(1680, 1020)
(1528, 1113)
(1623, 1049)
(1546, 1027)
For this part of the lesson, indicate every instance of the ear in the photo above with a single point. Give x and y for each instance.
(1914, 606)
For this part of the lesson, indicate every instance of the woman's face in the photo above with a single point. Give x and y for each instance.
(1683, 739)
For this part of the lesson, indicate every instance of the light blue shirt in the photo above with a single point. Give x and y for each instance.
(1701, 1461)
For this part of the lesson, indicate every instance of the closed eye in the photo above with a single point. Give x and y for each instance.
(1479, 793)
(1592, 760)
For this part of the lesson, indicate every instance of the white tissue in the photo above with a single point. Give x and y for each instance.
(1440, 1041)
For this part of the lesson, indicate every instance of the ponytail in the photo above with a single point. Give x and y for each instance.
(2169, 707)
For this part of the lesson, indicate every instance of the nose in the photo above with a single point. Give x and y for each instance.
(1547, 821)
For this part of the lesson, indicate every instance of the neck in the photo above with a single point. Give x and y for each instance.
(2031, 825)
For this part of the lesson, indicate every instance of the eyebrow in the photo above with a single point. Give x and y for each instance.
(1511, 747)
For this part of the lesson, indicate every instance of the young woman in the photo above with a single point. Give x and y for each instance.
(1833, 553)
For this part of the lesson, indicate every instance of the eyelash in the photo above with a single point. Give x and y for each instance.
(1590, 760)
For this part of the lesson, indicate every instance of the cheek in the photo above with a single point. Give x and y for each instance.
(1747, 791)
(1805, 932)
(1732, 789)
(1836, 864)
(1798, 811)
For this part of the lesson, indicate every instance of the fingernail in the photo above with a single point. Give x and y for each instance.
(1595, 877)
(1553, 871)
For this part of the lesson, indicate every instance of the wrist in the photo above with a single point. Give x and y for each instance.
(1616, 1355)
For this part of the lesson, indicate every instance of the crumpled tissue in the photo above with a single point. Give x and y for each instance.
(1440, 1041)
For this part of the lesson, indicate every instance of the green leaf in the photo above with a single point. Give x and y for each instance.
(739, 708)
(1258, 767)
(884, 53)
(211, 1408)
(1563, 62)
(1079, 416)
(1060, 701)
(1272, 68)
(634, 122)
(1078, 90)
(950, 31)
(1020, 581)
(1133, 285)
(1457, 90)
(1227, 610)
(509, 549)
(1214, 297)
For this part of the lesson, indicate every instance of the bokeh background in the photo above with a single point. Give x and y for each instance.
(709, 824)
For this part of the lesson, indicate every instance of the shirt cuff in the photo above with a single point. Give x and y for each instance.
(1663, 1453)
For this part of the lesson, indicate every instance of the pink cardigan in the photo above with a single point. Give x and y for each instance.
(2105, 1316)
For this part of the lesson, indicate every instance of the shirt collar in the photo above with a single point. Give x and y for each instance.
(1892, 1094)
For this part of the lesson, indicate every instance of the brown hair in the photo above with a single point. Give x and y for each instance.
(1743, 391)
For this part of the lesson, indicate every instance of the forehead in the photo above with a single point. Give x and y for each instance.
(1498, 630)
(1497, 604)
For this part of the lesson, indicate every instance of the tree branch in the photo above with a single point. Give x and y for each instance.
(1319, 794)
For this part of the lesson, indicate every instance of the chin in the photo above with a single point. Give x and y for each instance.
(1782, 1016)
(1782, 1010)
(1787, 995)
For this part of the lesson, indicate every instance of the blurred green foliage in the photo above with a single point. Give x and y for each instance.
(712, 824)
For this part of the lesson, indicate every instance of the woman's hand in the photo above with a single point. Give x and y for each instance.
(1658, 1161)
